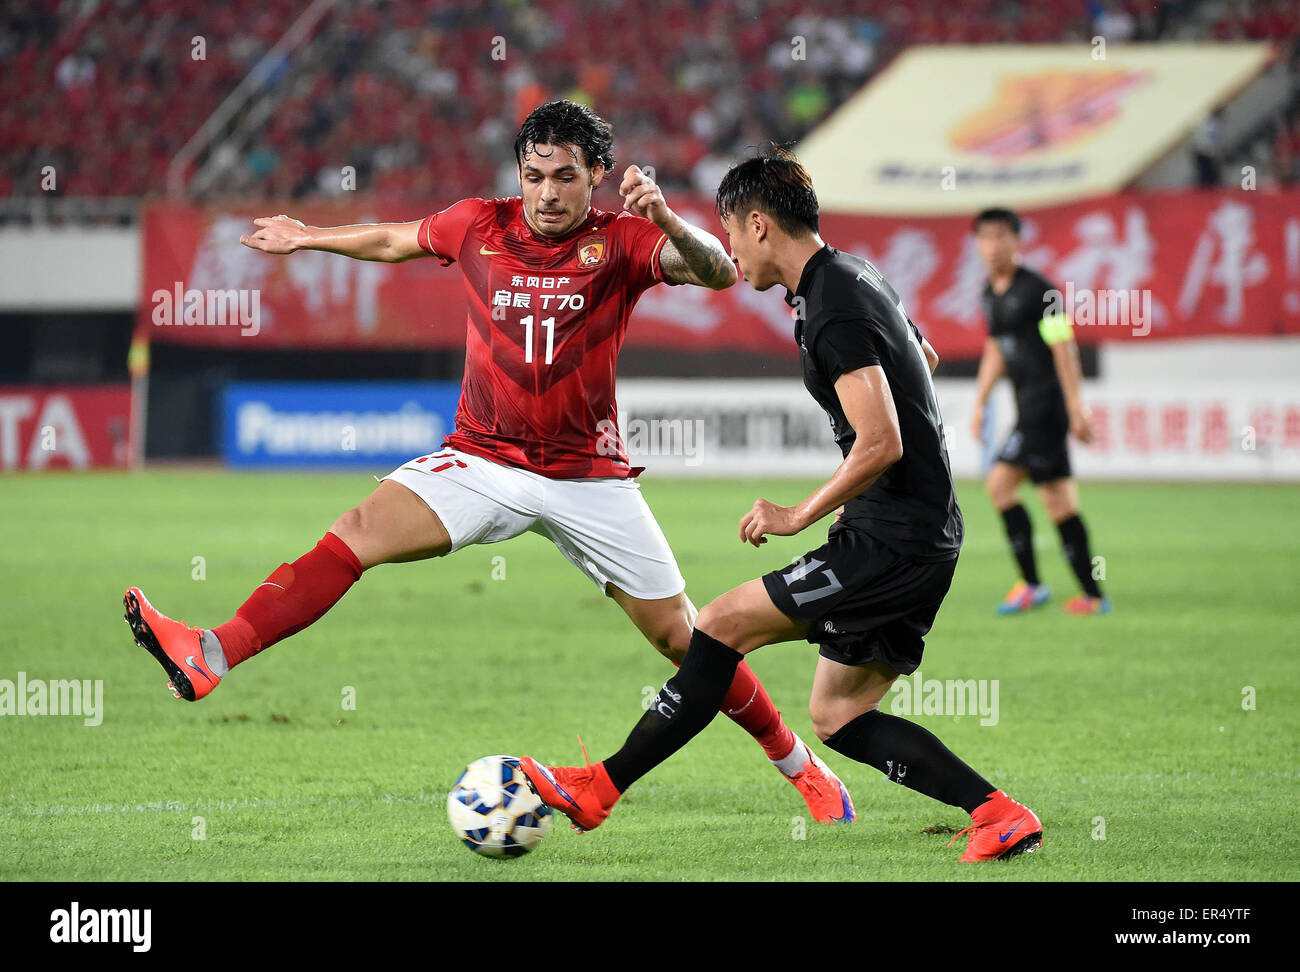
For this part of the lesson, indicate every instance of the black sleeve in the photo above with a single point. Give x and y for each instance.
(846, 345)
(1038, 307)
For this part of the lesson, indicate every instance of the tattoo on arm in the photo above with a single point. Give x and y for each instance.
(696, 257)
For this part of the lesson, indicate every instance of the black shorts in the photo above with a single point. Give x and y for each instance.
(1043, 453)
(861, 600)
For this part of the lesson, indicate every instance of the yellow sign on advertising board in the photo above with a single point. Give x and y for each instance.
(954, 128)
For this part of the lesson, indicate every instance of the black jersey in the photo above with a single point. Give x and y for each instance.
(851, 319)
(1014, 318)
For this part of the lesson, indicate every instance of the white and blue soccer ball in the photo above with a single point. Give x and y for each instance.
(494, 811)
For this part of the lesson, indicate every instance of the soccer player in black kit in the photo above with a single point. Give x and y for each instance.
(866, 597)
(1032, 343)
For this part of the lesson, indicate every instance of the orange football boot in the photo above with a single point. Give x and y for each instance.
(177, 646)
(1024, 597)
(1001, 828)
(827, 798)
(1082, 604)
(585, 794)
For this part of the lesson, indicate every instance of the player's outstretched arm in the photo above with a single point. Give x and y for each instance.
(691, 255)
(869, 407)
(382, 242)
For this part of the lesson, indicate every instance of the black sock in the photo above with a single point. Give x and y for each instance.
(1074, 538)
(681, 710)
(1021, 534)
(913, 756)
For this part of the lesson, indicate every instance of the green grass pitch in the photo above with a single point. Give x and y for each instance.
(1158, 743)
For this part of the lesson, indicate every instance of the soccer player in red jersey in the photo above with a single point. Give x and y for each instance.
(551, 282)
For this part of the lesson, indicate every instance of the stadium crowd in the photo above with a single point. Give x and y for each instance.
(423, 98)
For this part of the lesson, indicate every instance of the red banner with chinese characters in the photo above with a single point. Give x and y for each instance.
(65, 427)
(1130, 267)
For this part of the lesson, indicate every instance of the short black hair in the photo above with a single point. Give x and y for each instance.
(567, 123)
(774, 182)
(996, 214)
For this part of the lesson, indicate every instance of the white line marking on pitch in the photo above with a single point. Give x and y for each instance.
(239, 803)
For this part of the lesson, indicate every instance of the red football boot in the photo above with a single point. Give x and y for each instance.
(585, 794)
(1001, 828)
(177, 646)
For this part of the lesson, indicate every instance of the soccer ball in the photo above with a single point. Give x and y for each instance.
(494, 811)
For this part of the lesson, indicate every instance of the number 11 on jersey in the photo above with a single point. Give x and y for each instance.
(549, 325)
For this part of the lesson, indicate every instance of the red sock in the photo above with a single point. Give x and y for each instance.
(748, 705)
(293, 597)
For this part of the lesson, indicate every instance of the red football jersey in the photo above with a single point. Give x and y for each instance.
(546, 322)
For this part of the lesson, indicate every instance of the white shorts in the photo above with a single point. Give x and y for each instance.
(602, 525)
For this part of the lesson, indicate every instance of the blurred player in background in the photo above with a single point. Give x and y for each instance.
(869, 595)
(1035, 348)
(551, 282)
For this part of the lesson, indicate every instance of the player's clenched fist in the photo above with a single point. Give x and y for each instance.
(768, 518)
(642, 195)
(276, 234)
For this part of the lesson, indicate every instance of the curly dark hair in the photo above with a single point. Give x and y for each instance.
(567, 123)
(776, 183)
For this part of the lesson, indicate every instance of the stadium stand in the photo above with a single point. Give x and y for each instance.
(107, 92)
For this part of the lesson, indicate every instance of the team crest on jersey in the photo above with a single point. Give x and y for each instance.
(591, 251)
